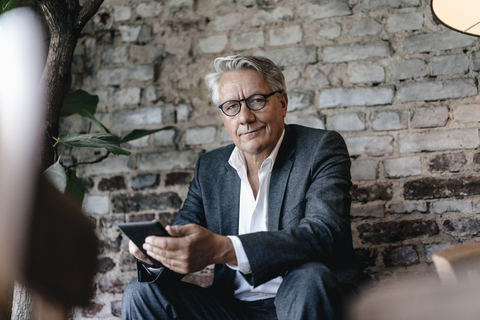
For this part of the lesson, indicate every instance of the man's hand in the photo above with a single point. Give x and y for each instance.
(190, 248)
(137, 253)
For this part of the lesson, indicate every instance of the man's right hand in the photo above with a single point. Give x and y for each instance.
(137, 253)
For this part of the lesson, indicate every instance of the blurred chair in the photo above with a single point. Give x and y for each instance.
(459, 264)
(46, 242)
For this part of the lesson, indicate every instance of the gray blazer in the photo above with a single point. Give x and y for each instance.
(308, 213)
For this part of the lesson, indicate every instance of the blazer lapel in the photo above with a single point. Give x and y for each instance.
(230, 203)
(278, 181)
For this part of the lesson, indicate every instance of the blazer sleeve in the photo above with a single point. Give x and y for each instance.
(322, 231)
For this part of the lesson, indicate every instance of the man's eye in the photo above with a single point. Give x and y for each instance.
(230, 106)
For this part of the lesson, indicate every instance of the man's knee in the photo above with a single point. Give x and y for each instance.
(312, 274)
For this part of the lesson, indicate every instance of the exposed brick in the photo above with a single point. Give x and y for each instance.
(395, 231)
(372, 192)
(111, 165)
(115, 55)
(402, 167)
(348, 121)
(447, 162)
(245, 41)
(291, 75)
(312, 121)
(433, 248)
(92, 310)
(374, 145)
(127, 96)
(262, 17)
(389, 120)
(110, 222)
(407, 69)
(164, 138)
(366, 73)
(116, 307)
(364, 170)
(181, 6)
(400, 256)
(169, 160)
(291, 56)
(127, 262)
(437, 41)
(405, 21)
(441, 207)
(429, 117)
(407, 207)
(462, 227)
(367, 256)
(229, 21)
(368, 5)
(300, 100)
(96, 204)
(110, 245)
(372, 50)
(129, 33)
(213, 44)
(112, 184)
(178, 178)
(318, 79)
(367, 212)
(318, 10)
(122, 13)
(136, 217)
(144, 181)
(105, 264)
(138, 117)
(438, 140)
(432, 188)
(118, 76)
(437, 90)
(466, 113)
(450, 64)
(476, 60)
(365, 27)
(149, 9)
(200, 135)
(135, 202)
(289, 35)
(106, 285)
(330, 31)
(167, 217)
(342, 97)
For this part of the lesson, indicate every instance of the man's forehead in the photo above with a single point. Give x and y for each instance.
(243, 79)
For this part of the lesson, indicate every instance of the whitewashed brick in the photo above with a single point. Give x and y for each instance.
(164, 138)
(365, 27)
(438, 140)
(262, 17)
(183, 112)
(291, 75)
(348, 122)
(213, 44)
(389, 120)
(139, 143)
(476, 60)
(143, 72)
(137, 117)
(363, 170)
(122, 13)
(372, 50)
(129, 33)
(127, 96)
(221, 3)
(229, 21)
(368, 211)
(402, 167)
(224, 135)
(429, 117)
(322, 10)
(300, 100)
(450, 64)
(291, 56)
(373, 145)
(437, 41)
(368, 5)
(145, 34)
(407, 69)
(115, 55)
(452, 206)
(157, 50)
(437, 90)
(151, 93)
(405, 21)
(434, 248)
(111, 165)
(341, 97)
(407, 207)
(466, 113)
(112, 77)
(168, 160)
(330, 31)
(181, 6)
(366, 73)
(245, 41)
(199, 135)
(312, 121)
(149, 9)
(318, 79)
(96, 204)
(289, 35)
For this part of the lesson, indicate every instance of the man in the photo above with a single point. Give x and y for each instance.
(271, 211)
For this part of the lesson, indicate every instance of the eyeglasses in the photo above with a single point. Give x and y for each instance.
(256, 102)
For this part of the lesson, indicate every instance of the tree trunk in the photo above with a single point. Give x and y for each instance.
(65, 20)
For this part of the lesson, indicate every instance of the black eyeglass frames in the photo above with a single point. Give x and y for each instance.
(255, 102)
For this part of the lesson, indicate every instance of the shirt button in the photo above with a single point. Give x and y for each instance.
(254, 214)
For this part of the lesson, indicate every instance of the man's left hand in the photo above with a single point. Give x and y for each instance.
(190, 248)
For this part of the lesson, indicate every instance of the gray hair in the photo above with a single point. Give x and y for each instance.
(262, 65)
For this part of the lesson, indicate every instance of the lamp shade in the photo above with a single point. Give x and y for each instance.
(459, 15)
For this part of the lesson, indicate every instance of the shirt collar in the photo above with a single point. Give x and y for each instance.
(237, 158)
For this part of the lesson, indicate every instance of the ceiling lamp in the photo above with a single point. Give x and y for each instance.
(459, 15)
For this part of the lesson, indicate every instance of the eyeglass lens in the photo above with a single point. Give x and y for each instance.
(255, 102)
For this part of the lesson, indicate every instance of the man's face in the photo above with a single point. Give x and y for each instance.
(254, 132)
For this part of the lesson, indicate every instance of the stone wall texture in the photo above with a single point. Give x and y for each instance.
(401, 88)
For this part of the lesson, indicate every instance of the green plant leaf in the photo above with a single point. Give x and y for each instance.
(137, 134)
(74, 187)
(57, 176)
(108, 141)
(84, 104)
(8, 5)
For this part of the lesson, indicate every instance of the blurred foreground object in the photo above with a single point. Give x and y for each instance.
(459, 15)
(459, 264)
(46, 242)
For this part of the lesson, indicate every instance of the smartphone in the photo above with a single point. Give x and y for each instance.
(138, 231)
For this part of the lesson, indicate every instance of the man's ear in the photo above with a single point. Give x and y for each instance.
(284, 100)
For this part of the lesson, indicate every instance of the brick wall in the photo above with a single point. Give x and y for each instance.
(399, 87)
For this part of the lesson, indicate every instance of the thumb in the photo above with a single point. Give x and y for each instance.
(176, 231)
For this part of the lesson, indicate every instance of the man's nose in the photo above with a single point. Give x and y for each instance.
(245, 115)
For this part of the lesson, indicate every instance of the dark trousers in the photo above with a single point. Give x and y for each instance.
(310, 291)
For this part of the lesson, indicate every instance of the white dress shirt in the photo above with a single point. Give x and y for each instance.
(253, 217)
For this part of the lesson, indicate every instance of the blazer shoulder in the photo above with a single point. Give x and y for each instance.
(217, 156)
